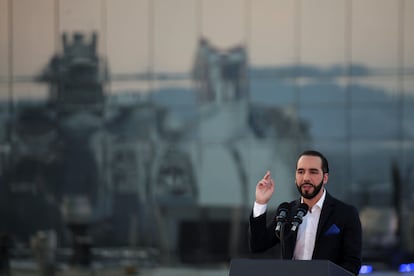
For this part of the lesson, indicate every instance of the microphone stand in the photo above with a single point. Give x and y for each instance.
(281, 235)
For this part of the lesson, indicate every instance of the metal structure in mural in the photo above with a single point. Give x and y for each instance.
(102, 173)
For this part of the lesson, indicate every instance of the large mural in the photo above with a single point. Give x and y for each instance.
(166, 161)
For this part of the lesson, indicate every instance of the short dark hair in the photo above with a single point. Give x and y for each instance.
(325, 165)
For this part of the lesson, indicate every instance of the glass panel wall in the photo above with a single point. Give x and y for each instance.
(140, 128)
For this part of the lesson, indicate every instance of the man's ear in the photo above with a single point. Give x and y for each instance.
(325, 178)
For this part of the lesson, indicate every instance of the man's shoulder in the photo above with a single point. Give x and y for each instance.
(331, 200)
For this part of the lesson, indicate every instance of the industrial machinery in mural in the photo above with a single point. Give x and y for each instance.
(79, 161)
(103, 170)
(117, 174)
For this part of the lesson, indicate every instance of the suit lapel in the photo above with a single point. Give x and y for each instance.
(326, 212)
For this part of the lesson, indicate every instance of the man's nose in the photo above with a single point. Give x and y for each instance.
(306, 176)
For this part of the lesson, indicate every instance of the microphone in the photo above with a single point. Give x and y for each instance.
(282, 213)
(300, 213)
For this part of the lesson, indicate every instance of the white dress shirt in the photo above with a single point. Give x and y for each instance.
(305, 240)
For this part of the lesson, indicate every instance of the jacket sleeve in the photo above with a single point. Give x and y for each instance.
(261, 236)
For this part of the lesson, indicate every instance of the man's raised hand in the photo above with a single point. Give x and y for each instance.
(264, 189)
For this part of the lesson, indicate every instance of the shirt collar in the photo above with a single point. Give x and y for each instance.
(321, 200)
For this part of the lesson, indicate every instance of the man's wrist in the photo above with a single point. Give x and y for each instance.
(259, 209)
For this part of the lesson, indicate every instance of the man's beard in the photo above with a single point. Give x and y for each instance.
(306, 194)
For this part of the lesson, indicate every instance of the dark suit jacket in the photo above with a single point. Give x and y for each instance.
(338, 237)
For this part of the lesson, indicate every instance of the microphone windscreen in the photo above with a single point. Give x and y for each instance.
(303, 207)
(283, 205)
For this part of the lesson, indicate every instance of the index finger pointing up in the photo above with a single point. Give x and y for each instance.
(267, 175)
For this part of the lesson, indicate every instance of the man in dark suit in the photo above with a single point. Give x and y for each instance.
(330, 230)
